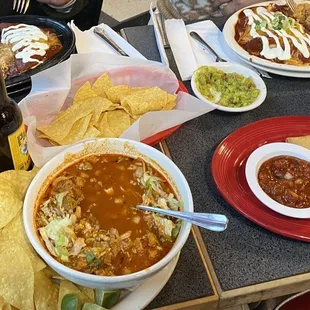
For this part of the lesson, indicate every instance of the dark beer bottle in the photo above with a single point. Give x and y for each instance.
(13, 143)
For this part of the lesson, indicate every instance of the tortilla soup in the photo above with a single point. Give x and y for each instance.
(87, 218)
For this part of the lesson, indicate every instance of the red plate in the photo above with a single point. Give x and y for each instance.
(166, 133)
(228, 169)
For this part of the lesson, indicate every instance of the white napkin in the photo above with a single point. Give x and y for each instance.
(189, 54)
(88, 42)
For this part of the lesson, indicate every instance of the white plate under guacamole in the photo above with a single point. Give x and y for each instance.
(235, 68)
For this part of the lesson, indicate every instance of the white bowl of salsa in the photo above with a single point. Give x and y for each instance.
(279, 176)
(79, 213)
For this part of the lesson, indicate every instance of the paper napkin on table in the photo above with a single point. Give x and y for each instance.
(88, 42)
(189, 54)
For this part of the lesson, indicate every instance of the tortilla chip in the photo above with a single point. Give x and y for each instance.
(67, 287)
(18, 179)
(10, 203)
(17, 278)
(45, 292)
(89, 292)
(102, 84)
(302, 141)
(171, 103)
(103, 127)
(14, 232)
(59, 115)
(92, 132)
(153, 99)
(42, 136)
(59, 129)
(103, 106)
(53, 143)
(77, 132)
(4, 305)
(85, 92)
(118, 121)
(116, 93)
(136, 89)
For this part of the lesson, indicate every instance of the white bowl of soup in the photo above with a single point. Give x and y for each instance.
(80, 213)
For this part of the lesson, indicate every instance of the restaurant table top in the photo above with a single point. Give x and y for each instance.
(245, 254)
(245, 263)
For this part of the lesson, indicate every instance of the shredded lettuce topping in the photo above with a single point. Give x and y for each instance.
(57, 234)
(279, 22)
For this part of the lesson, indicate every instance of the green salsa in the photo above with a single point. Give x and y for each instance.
(226, 89)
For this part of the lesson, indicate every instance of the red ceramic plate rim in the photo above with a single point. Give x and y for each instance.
(228, 165)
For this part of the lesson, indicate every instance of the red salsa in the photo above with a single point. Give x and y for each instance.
(286, 179)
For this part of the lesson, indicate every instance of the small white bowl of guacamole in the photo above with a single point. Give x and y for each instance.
(229, 87)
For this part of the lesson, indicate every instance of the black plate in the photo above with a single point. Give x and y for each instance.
(66, 36)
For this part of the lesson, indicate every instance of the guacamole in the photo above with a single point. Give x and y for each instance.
(226, 89)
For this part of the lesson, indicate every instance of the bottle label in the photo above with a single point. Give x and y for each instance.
(19, 151)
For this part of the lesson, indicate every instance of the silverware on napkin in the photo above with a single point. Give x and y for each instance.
(214, 222)
(204, 44)
(162, 28)
(103, 35)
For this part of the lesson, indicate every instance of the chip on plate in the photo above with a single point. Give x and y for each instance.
(302, 141)
(14, 232)
(45, 292)
(17, 277)
(10, 203)
(18, 179)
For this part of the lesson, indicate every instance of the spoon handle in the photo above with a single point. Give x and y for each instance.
(204, 44)
(214, 222)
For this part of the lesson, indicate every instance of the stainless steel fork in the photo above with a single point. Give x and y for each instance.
(21, 6)
(292, 5)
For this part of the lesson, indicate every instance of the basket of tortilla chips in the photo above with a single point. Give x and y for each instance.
(88, 97)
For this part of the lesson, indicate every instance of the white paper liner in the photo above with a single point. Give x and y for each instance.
(54, 89)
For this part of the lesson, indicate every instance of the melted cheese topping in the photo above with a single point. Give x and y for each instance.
(292, 33)
(25, 41)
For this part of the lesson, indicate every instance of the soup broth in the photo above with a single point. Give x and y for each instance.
(88, 221)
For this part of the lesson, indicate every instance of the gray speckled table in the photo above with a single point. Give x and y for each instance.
(189, 280)
(249, 262)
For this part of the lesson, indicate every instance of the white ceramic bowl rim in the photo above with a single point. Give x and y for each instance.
(40, 249)
(258, 157)
(234, 68)
(229, 35)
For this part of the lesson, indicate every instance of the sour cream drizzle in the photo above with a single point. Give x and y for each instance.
(25, 40)
(298, 37)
